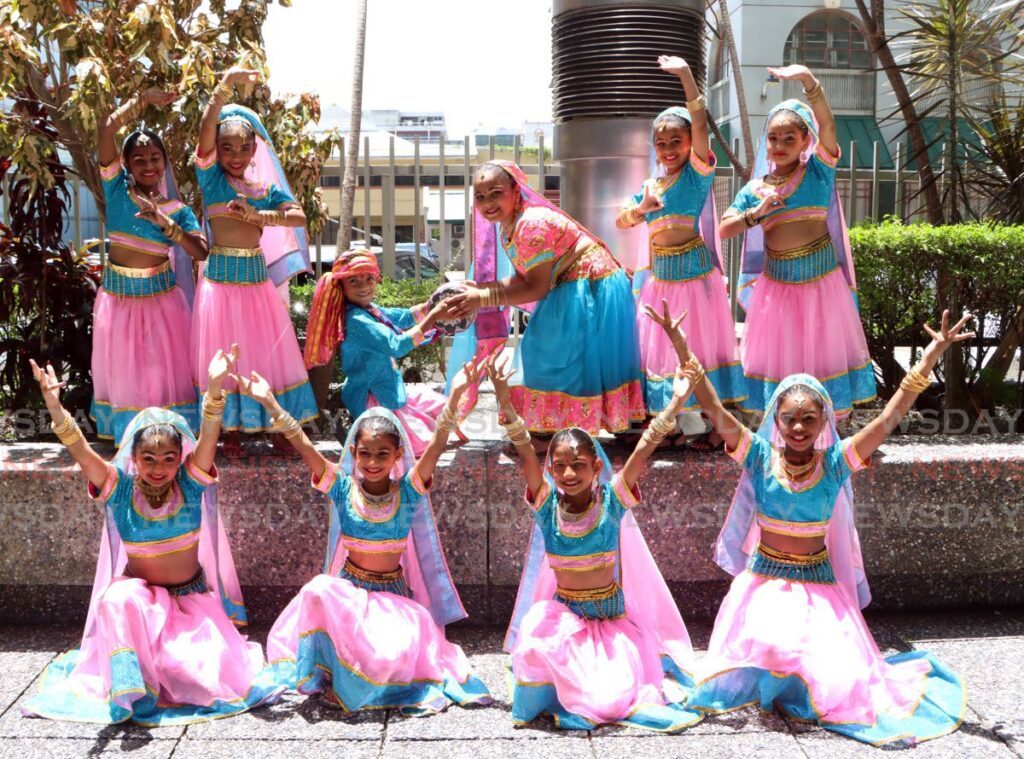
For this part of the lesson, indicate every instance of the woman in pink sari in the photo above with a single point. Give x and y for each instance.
(160, 645)
(595, 637)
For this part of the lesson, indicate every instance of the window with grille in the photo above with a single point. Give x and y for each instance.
(827, 41)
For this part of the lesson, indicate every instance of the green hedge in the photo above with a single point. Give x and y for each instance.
(392, 293)
(898, 269)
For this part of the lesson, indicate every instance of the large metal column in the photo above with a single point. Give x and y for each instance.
(607, 88)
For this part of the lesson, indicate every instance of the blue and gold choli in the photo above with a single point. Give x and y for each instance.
(127, 231)
(683, 195)
(374, 529)
(148, 533)
(585, 542)
(797, 509)
(228, 265)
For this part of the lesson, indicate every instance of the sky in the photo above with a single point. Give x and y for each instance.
(482, 62)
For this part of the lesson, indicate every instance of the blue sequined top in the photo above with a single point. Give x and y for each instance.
(365, 527)
(147, 532)
(803, 508)
(219, 189)
(807, 192)
(591, 539)
(683, 194)
(125, 229)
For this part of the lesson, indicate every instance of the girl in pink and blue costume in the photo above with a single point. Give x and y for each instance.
(142, 314)
(679, 261)
(790, 632)
(595, 637)
(259, 242)
(578, 360)
(798, 279)
(160, 645)
(369, 631)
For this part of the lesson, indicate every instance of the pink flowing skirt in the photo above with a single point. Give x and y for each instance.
(254, 317)
(806, 647)
(140, 358)
(418, 416)
(711, 332)
(606, 671)
(156, 659)
(812, 327)
(370, 649)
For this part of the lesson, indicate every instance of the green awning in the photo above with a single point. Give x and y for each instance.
(863, 129)
(716, 146)
(936, 134)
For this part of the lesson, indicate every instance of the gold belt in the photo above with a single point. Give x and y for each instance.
(793, 558)
(365, 575)
(675, 250)
(226, 250)
(590, 594)
(128, 271)
(804, 250)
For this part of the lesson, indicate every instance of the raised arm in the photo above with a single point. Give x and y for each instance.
(867, 440)
(65, 427)
(699, 141)
(660, 426)
(259, 390)
(725, 424)
(221, 96)
(129, 111)
(515, 427)
(815, 96)
(425, 465)
(213, 408)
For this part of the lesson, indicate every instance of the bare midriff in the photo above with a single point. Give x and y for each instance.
(134, 259)
(375, 562)
(673, 238)
(234, 233)
(792, 543)
(589, 580)
(795, 234)
(173, 569)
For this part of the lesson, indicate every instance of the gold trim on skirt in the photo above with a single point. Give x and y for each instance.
(226, 250)
(804, 250)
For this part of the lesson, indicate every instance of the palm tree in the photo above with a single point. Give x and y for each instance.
(348, 184)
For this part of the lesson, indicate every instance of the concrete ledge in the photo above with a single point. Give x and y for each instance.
(941, 525)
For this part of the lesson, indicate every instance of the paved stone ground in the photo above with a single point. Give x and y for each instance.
(986, 648)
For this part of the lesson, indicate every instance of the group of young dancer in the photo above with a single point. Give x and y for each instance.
(595, 637)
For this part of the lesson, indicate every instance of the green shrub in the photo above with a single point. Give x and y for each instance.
(391, 293)
(897, 280)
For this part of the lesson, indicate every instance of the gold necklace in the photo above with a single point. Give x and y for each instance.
(797, 472)
(155, 495)
(378, 501)
(774, 180)
(573, 516)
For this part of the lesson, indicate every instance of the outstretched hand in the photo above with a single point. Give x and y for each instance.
(255, 387)
(500, 371)
(651, 201)
(221, 366)
(947, 336)
(794, 71)
(49, 385)
(149, 210)
(468, 374)
(672, 64)
(157, 96)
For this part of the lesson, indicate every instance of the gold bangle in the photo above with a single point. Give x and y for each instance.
(447, 419)
(67, 431)
(285, 424)
(697, 104)
(915, 382)
(816, 92)
(129, 111)
(524, 438)
(223, 91)
(662, 424)
(270, 218)
(653, 437)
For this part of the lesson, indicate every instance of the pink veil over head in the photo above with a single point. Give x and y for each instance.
(214, 550)
(740, 533)
(649, 602)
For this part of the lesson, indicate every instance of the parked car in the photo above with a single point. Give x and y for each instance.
(405, 259)
(426, 249)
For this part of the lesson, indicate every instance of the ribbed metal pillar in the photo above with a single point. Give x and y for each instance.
(607, 88)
